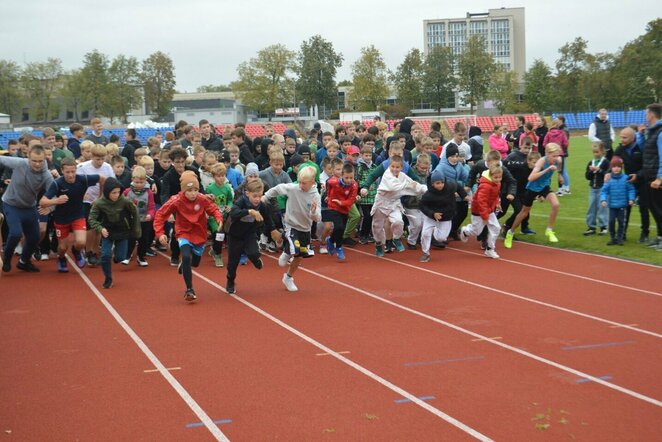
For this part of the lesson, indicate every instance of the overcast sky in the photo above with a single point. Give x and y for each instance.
(208, 39)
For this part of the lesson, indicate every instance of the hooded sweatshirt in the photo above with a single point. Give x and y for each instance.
(119, 217)
(441, 201)
(486, 198)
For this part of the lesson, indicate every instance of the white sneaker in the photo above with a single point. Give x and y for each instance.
(311, 250)
(490, 253)
(125, 262)
(44, 257)
(283, 259)
(289, 283)
(324, 250)
(142, 263)
(463, 236)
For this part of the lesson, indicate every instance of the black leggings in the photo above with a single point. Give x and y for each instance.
(238, 245)
(189, 259)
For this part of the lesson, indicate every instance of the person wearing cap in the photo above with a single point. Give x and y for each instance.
(438, 207)
(116, 219)
(190, 233)
(617, 194)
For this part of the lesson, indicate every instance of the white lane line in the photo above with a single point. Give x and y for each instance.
(525, 353)
(513, 295)
(451, 420)
(193, 405)
(595, 255)
(547, 269)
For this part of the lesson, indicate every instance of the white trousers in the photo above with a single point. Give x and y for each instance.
(378, 220)
(415, 218)
(478, 224)
(440, 230)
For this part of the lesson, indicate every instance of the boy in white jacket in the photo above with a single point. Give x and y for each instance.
(388, 206)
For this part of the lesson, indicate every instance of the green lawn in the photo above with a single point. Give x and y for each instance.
(570, 223)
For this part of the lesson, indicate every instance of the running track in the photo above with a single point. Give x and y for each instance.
(544, 344)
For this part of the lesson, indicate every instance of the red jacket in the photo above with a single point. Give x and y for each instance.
(191, 217)
(486, 198)
(345, 194)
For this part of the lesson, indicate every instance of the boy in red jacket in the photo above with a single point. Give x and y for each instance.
(341, 196)
(192, 210)
(483, 207)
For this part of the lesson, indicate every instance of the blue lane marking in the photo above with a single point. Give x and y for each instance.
(200, 424)
(584, 380)
(443, 361)
(423, 398)
(607, 344)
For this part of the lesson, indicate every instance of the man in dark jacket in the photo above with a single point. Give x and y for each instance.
(652, 167)
(601, 130)
(209, 139)
(132, 143)
(632, 157)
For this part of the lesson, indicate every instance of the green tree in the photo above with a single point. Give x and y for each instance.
(369, 75)
(10, 83)
(504, 91)
(265, 82)
(538, 84)
(206, 88)
(571, 76)
(439, 79)
(126, 84)
(95, 85)
(74, 99)
(317, 65)
(475, 71)
(41, 83)
(345, 83)
(158, 76)
(408, 80)
(638, 68)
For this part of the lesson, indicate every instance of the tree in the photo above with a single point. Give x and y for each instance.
(125, 82)
(41, 82)
(408, 80)
(74, 98)
(439, 78)
(538, 83)
(345, 83)
(504, 91)
(158, 76)
(369, 75)
(95, 85)
(265, 81)
(317, 64)
(475, 70)
(10, 95)
(206, 88)
(571, 75)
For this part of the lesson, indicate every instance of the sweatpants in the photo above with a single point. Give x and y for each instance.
(378, 221)
(439, 229)
(21, 221)
(478, 224)
(415, 218)
(236, 247)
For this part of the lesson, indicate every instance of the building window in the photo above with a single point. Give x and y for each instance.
(478, 28)
(25, 115)
(85, 115)
(436, 34)
(457, 36)
(70, 115)
(500, 39)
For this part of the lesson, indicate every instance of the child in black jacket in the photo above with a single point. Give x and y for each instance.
(438, 206)
(248, 214)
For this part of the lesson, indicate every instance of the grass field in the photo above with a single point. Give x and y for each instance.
(571, 223)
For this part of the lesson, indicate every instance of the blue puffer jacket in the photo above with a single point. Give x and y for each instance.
(456, 172)
(617, 191)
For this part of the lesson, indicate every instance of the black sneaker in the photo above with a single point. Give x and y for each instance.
(438, 244)
(150, 252)
(483, 244)
(411, 246)
(389, 247)
(174, 262)
(363, 240)
(612, 242)
(27, 267)
(108, 282)
(349, 242)
(643, 238)
(189, 296)
(589, 231)
(230, 288)
(258, 264)
(6, 264)
(92, 259)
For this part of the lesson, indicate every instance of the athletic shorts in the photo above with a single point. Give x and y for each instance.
(62, 231)
(296, 243)
(530, 196)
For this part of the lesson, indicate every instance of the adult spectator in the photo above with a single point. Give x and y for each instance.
(521, 121)
(30, 178)
(601, 130)
(97, 136)
(208, 138)
(541, 131)
(652, 167)
(631, 154)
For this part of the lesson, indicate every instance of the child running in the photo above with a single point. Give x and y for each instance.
(483, 209)
(303, 207)
(116, 219)
(387, 204)
(341, 195)
(438, 206)
(248, 214)
(191, 209)
(539, 187)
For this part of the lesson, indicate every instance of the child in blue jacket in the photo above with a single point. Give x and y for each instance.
(617, 194)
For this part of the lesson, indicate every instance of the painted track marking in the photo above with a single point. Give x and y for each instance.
(181, 391)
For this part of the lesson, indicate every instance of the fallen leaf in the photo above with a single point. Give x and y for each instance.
(539, 416)
(371, 417)
(329, 430)
(563, 421)
(542, 426)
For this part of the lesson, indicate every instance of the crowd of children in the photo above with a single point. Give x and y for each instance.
(281, 193)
